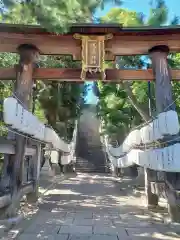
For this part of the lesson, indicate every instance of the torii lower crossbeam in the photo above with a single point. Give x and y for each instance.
(73, 75)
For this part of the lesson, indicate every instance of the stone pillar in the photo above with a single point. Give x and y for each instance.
(152, 199)
(164, 102)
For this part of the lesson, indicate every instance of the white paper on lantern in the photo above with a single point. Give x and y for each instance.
(42, 132)
(156, 131)
(172, 117)
(176, 153)
(137, 135)
(30, 128)
(167, 157)
(24, 121)
(125, 143)
(169, 164)
(9, 110)
(151, 132)
(48, 134)
(134, 156)
(129, 158)
(130, 139)
(142, 131)
(160, 156)
(36, 127)
(139, 152)
(115, 151)
(151, 158)
(133, 138)
(65, 159)
(144, 159)
(146, 134)
(54, 156)
(162, 123)
(125, 147)
(19, 117)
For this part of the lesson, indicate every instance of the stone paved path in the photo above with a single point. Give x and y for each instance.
(94, 207)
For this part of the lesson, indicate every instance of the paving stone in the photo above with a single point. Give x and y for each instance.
(67, 221)
(114, 217)
(42, 218)
(72, 229)
(42, 229)
(49, 220)
(12, 234)
(98, 211)
(101, 215)
(104, 237)
(102, 225)
(133, 221)
(80, 237)
(104, 219)
(110, 230)
(35, 236)
(84, 215)
(94, 237)
(83, 222)
(132, 224)
(141, 233)
(71, 214)
(55, 214)
(43, 237)
(57, 218)
(61, 237)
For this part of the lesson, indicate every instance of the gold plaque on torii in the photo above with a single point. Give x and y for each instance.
(93, 54)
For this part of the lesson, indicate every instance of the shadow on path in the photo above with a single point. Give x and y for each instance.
(95, 207)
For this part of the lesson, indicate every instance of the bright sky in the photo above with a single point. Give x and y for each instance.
(143, 6)
(139, 6)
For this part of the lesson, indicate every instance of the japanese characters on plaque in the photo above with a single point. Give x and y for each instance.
(93, 54)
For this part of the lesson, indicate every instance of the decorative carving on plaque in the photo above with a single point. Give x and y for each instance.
(93, 54)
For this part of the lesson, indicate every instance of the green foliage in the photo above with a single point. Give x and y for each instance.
(58, 104)
(56, 15)
(122, 16)
(5, 91)
(122, 106)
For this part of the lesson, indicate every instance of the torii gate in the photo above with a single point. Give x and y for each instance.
(110, 40)
(93, 44)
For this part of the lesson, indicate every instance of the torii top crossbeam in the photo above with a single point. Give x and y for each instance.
(92, 44)
(125, 41)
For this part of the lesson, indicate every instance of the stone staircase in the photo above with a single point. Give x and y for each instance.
(89, 151)
(90, 161)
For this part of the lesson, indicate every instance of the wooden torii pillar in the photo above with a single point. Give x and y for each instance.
(23, 92)
(164, 102)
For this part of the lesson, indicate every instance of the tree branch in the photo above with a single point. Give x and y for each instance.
(132, 99)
